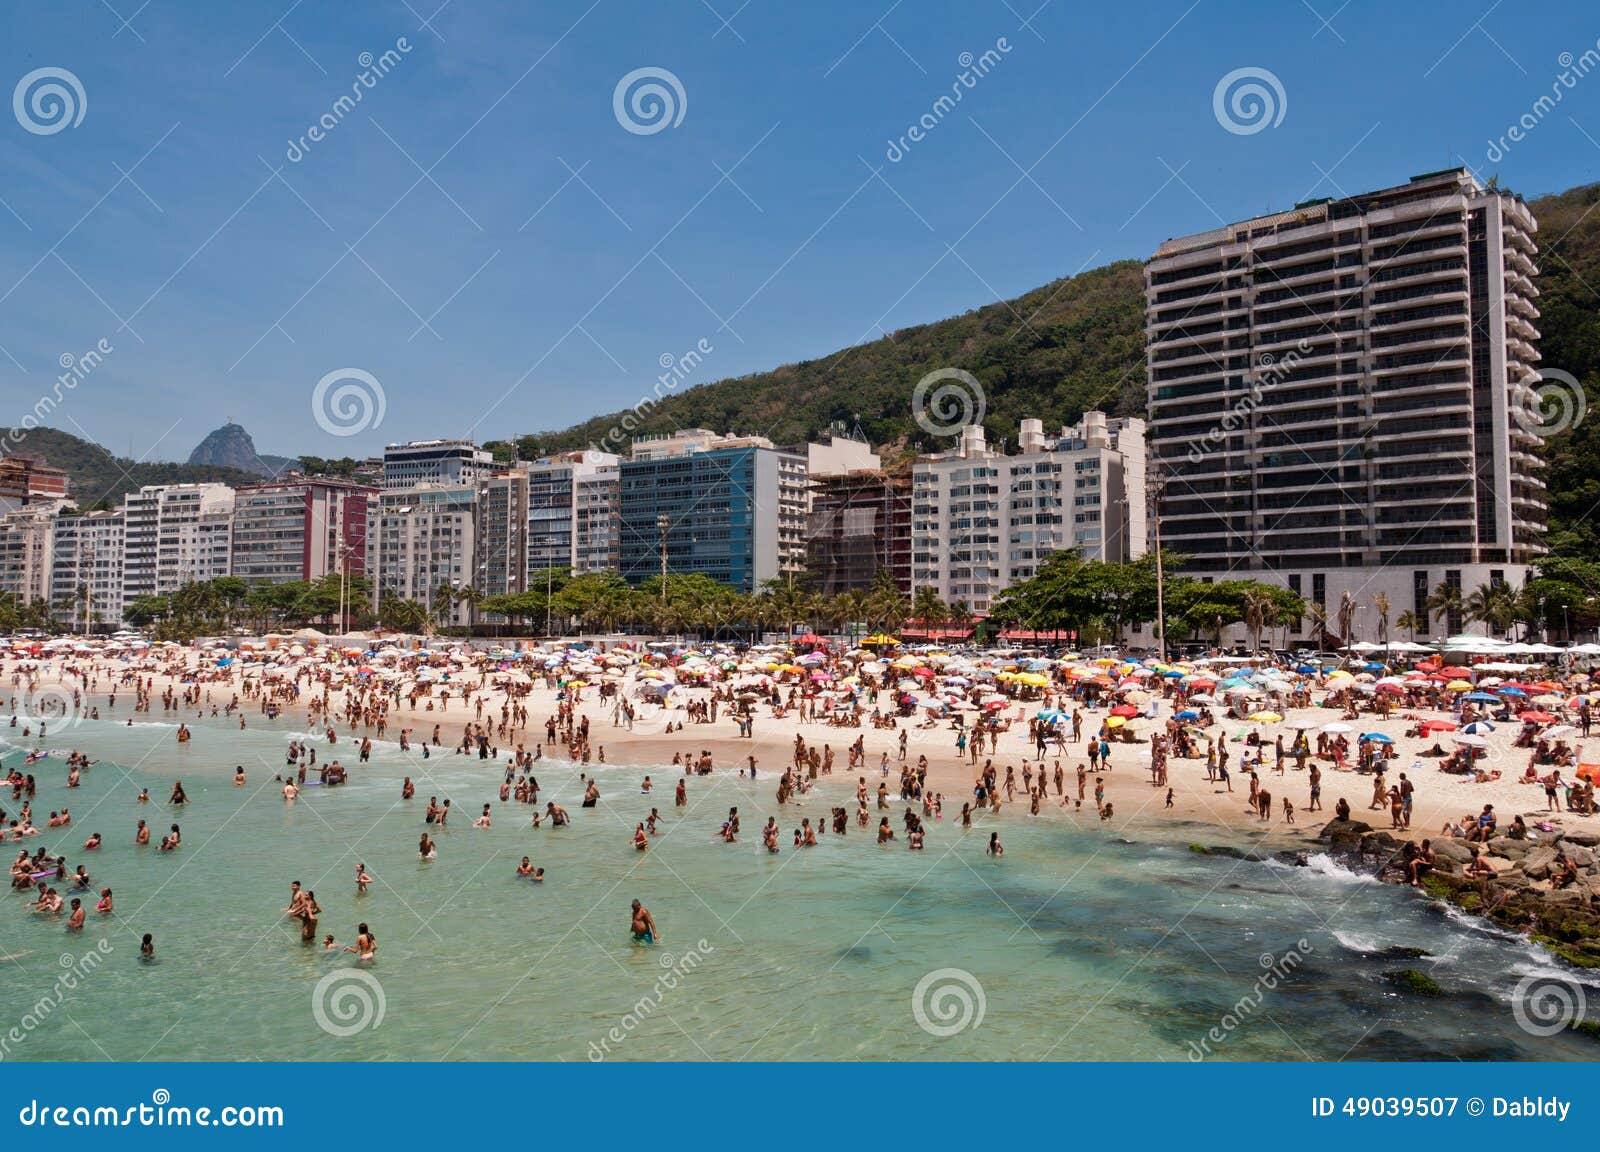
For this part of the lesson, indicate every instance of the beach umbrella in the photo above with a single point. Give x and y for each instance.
(1535, 717)
(1560, 731)
(1116, 721)
(1188, 714)
(1377, 737)
(1438, 726)
(1336, 728)
(1510, 690)
(1302, 724)
(1458, 686)
(1124, 710)
(1470, 740)
(1265, 717)
(1481, 698)
(1478, 727)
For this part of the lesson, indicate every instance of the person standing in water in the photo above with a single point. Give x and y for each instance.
(366, 945)
(644, 925)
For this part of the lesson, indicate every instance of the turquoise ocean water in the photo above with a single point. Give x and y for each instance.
(1081, 944)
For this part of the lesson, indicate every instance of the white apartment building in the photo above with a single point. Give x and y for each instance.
(25, 553)
(501, 535)
(427, 540)
(597, 523)
(1335, 393)
(556, 486)
(175, 534)
(981, 520)
(86, 552)
(435, 462)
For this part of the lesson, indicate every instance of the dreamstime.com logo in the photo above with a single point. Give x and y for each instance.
(48, 100)
(947, 1001)
(347, 401)
(1274, 970)
(1545, 1005)
(1249, 100)
(1558, 404)
(947, 400)
(347, 1002)
(649, 100)
(53, 707)
(673, 971)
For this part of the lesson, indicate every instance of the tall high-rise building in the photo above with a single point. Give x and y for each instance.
(25, 553)
(555, 484)
(175, 534)
(859, 526)
(86, 554)
(982, 520)
(301, 530)
(501, 568)
(427, 548)
(596, 518)
(434, 462)
(1335, 394)
(729, 507)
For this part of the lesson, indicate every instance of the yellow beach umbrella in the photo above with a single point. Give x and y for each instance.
(1265, 717)
(1458, 686)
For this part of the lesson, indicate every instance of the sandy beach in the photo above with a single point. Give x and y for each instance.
(1439, 797)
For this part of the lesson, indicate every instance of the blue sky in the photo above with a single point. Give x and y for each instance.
(485, 238)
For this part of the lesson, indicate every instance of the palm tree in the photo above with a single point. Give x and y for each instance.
(928, 608)
(1347, 617)
(1444, 604)
(1318, 615)
(1257, 603)
(1412, 623)
(1380, 604)
(1494, 604)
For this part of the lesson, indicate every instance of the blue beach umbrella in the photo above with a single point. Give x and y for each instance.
(1478, 727)
(1511, 691)
(1172, 674)
(1188, 714)
(1481, 698)
(1376, 737)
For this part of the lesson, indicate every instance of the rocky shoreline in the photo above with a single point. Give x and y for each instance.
(1518, 897)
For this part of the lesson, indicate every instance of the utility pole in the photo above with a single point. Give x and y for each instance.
(1153, 482)
(663, 524)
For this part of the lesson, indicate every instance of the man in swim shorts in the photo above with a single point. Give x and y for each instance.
(644, 924)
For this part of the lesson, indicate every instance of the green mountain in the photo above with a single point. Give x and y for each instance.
(99, 479)
(1078, 343)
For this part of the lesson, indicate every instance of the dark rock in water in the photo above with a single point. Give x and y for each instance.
(1589, 1028)
(1389, 1045)
(1344, 830)
(1413, 981)
(1227, 851)
(856, 952)
(1292, 858)
(1401, 952)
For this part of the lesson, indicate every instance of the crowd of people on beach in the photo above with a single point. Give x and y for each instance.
(1042, 732)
